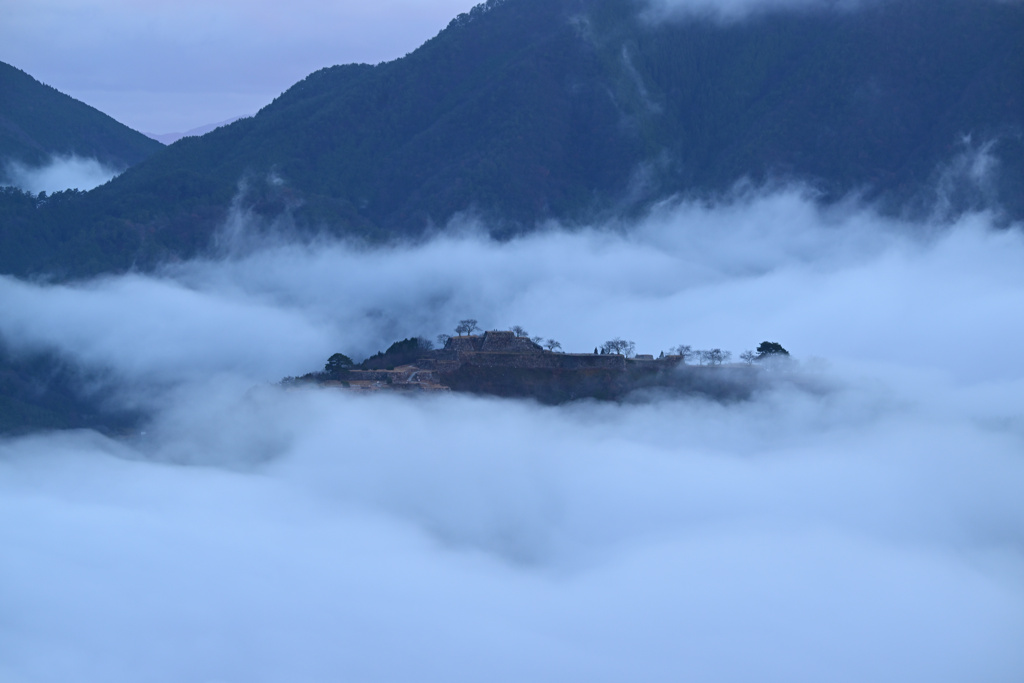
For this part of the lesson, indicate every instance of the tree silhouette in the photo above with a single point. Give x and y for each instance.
(467, 326)
(714, 356)
(617, 345)
(337, 363)
(767, 349)
(684, 351)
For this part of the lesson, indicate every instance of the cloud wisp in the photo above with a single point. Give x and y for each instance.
(736, 10)
(729, 11)
(872, 530)
(69, 172)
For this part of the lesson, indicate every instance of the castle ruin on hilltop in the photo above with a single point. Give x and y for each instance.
(502, 349)
(501, 363)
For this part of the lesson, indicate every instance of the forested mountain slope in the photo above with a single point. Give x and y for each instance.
(38, 122)
(525, 110)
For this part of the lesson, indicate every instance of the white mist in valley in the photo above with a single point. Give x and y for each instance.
(70, 172)
(858, 519)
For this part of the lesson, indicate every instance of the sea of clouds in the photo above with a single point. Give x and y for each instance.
(858, 519)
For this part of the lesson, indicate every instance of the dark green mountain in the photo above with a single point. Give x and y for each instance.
(524, 110)
(38, 122)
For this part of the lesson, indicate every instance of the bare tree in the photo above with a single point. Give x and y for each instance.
(442, 339)
(552, 345)
(617, 345)
(519, 331)
(684, 351)
(748, 357)
(467, 326)
(537, 340)
(714, 356)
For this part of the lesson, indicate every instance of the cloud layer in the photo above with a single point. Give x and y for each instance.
(839, 283)
(867, 528)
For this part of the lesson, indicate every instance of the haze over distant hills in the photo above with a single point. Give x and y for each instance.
(527, 110)
(169, 138)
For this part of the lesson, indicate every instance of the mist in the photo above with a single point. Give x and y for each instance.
(858, 518)
(728, 11)
(69, 172)
(735, 10)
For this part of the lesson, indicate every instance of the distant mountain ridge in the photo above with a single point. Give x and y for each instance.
(170, 138)
(577, 110)
(38, 122)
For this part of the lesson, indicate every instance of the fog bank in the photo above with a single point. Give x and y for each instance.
(859, 518)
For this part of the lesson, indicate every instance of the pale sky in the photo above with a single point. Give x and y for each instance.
(164, 66)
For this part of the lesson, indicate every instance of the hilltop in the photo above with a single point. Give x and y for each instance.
(526, 110)
(38, 122)
(510, 364)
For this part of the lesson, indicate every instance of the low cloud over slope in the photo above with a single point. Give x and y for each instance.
(61, 173)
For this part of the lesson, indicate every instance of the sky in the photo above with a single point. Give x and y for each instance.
(166, 66)
(858, 518)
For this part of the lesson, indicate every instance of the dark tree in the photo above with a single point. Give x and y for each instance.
(467, 326)
(519, 331)
(748, 357)
(767, 349)
(552, 345)
(338, 363)
(400, 353)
